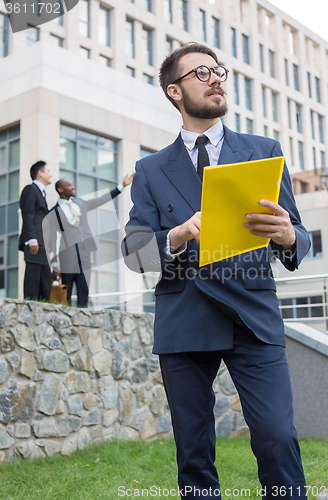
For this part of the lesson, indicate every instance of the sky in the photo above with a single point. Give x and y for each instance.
(313, 14)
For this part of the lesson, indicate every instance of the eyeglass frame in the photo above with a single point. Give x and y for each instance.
(211, 71)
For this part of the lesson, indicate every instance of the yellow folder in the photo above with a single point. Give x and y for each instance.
(229, 193)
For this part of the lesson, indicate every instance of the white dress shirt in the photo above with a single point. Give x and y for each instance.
(215, 135)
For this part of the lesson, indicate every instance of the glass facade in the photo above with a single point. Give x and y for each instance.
(272, 63)
(236, 86)
(84, 18)
(129, 38)
(104, 26)
(261, 57)
(183, 14)
(4, 24)
(233, 42)
(202, 15)
(89, 161)
(318, 89)
(296, 77)
(246, 57)
(147, 45)
(32, 35)
(216, 32)
(9, 206)
(168, 11)
(248, 93)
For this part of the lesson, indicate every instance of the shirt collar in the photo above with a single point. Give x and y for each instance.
(214, 134)
(41, 186)
(63, 201)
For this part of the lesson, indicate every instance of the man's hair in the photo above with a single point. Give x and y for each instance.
(60, 184)
(39, 165)
(169, 71)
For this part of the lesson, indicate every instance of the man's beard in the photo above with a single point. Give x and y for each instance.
(215, 110)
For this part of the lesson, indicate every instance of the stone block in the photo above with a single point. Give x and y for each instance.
(13, 359)
(120, 365)
(78, 382)
(222, 405)
(96, 321)
(25, 315)
(94, 341)
(71, 339)
(28, 364)
(126, 433)
(6, 441)
(89, 400)
(83, 439)
(22, 431)
(138, 418)
(110, 417)
(25, 448)
(223, 427)
(8, 313)
(58, 322)
(69, 445)
(17, 403)
(50, 339)
(102, 363)
(92, 417)
(75, 405)
(56, 361)
(126, 401)
(24, 337)
(39, 316)
(49, 395)
(164, 424)
(80, 319)
(140, 371)
(82, 360)
(226, 384)
(52, 447)
(45, 428)
(128, 324)
(3, 371)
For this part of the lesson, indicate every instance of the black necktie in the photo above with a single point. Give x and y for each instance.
(203, 159)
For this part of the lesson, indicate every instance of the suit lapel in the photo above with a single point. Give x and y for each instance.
(182, 174)
(40, 195)
(232, 150)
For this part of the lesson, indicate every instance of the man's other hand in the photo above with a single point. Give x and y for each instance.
(33, 247)
(127, 179)
(277, 227)
(189, 230)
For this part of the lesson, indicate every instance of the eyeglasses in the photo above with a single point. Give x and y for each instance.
(204, 74)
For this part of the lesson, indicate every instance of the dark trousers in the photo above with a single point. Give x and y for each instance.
(37, 281)
(261, 376)
(82, 281)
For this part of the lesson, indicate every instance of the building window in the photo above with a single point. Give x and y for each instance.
(309, 85)
(105, 61)
(33, 34)
(9, 205)
(286, 72)
(4, 34)
(56, 40)
(296, 77)
(84, 18)
(237, 122)
(84, 53)
(249, 126)
(323, 159)
(315, 251)
(265, 131)
(148, 79)
(276, 135)
(312, 124)
(321, 130)
(59, 20)
(89, 161)
(236, 86)
(146, 5)
(183, 14)
(248, 93)
(299, 118)
(291, 150)
(202, 15)
(233, 42)
(275, 106)
(147, 45)
(129, 38)
(131, 71)
(216, 32)
(318, 89)
(168, 11)
(104, 26)
(289, 113)
(301, 154)
(264, 106)
(314, 153)
(261, 57)
(169, 45)
(304, 187)
(272, 63)
(302, 307)
(246, 58)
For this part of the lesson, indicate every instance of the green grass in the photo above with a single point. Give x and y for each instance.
(96, 473)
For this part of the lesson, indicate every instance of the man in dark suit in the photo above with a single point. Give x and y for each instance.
(224, 311)
(33, 205)
(77, 241)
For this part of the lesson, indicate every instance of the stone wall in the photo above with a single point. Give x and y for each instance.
(72, 377)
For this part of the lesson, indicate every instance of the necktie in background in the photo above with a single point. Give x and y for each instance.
(203, 159)
(76, 214)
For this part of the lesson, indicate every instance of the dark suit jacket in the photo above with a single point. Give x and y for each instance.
(34, 209)
(73, 236)
(196, 308)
